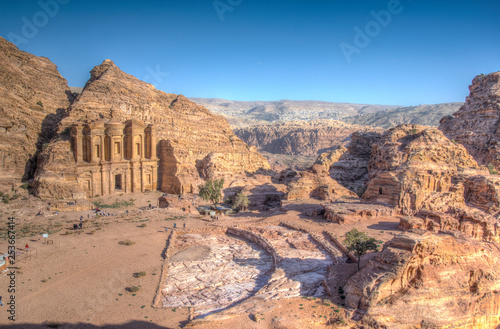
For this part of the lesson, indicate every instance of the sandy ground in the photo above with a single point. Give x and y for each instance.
(81, 279)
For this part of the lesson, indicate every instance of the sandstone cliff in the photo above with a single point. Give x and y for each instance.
(300, 137)
(191, 140)
(429, 281)
(316, 183)
(33, 98)
(349, 166)
(476, 123)
(416, 167)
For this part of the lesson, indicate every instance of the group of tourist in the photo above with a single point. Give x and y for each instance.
(102, 213)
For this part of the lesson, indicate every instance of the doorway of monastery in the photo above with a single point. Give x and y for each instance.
(118, 182)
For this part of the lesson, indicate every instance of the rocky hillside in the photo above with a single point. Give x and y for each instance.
(241, 114)
(476, 124)
(33, 98)
(349, 166)
(427, 115)
(416, 167)
(428, 281)
(200, 142)
(306, 138)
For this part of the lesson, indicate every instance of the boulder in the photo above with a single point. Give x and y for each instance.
(428, 280)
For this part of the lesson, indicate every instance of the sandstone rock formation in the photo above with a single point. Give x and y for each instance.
(316, 183)
(33, 98)
(470, 222)
(476, 123)
(483, 192)
(350, 211)
(186, 135)
(429, 281)
(300, 137)
(351, 169)
(263, 191)
(327, 159)
(415, 167)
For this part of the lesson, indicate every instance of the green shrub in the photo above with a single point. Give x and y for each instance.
(492, 169)
(114, 205)
(211, 190)
(133, 289)
(126, 242)
(241, 201)
(139, 274)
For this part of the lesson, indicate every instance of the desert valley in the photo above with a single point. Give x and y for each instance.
(106, 223)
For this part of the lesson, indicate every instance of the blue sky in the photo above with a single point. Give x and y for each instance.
(417, 52)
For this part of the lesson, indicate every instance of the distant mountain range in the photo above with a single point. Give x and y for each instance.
(249, 113)
(245, 113)
(428, 115)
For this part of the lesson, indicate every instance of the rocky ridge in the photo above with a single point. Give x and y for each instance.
(300, 137)
(191, 139)
(416, 167)
(242, 113)
(316, 183)
(476, 123)
(33, 98)
(455, 281)
(426, 115)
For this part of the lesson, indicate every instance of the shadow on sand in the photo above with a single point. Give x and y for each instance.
(59, 325)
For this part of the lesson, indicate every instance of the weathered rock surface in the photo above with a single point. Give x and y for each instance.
(476, 123)
(351, 169)
(316, 183)
(429, 281)
(33, 97)
(263, 192)
(416, 167)
(327, 159)
(468, 221)
(300, 137)
(483, 192)
(213, 272)
(210, 272)
(349, 212)
(188, 134)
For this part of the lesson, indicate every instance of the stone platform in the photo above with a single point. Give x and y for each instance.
(215, 271)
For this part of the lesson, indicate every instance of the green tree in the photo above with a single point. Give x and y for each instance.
(211, 190)
(359, 243)
(241, 201)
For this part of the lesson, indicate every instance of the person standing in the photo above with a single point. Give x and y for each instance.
(27, 247)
